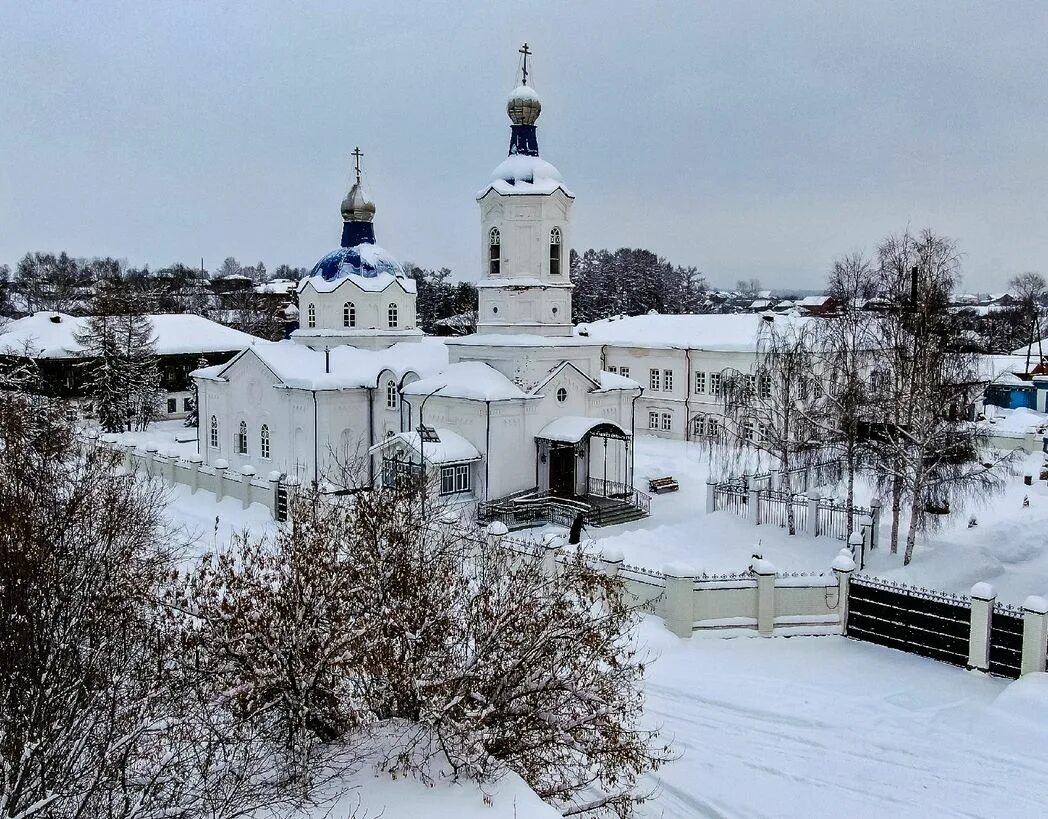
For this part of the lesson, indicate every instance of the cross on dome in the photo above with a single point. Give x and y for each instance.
(357, 156)
(524, 70)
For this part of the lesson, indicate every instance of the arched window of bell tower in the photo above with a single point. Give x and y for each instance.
(494, 251)
(554, 251)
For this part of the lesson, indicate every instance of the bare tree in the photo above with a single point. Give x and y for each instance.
(926, 450)
(768, 409)
(1030, 290)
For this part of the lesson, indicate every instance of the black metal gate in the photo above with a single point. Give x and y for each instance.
(1006, 642)
(918, 621)
(281, 502)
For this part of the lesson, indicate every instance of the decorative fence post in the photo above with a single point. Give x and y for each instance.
(711, 496)
(194, 472)
(221, 465)
(765, 572)
(1035, 633)
(247, 472)
(856, 545)
(813, 515)
(679, 605)
(495, 532)
(274, 489)
(550, 549)
(866, 533)
(843, 565)
(875, 514)
(611, 561)
(983, 597)
(753, 498)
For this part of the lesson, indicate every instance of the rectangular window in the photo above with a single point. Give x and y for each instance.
(715, 384)
(172, 405)
(655, 379)
(764, 386)
(700, 382)
(667, 380)
(712, 427)
(613, 370)
(454, 479)
(624, 372)
(816, 388)
(667, 422)
(751, 385)
(749, 430)
(187, 404)
(653, 420)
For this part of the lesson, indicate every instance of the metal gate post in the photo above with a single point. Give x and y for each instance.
(983, 597)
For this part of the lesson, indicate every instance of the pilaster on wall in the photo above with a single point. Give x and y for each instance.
(765, 574)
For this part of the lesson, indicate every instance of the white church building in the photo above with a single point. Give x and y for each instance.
(523, 408)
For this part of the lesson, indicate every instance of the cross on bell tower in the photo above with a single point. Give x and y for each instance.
(524, 70)
(357, 156)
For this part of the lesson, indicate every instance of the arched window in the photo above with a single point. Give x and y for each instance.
(242, 438)
(263, 449)
(494, 252)
(214, 432)
(349, 314)
(554, 251)
(392, 315)
(311, 315)
(391, 395)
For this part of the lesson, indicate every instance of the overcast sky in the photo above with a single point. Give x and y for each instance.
(751, 139)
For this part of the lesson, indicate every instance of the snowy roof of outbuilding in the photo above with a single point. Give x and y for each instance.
(520, 174)
(451, 448)
(344, 367)
(721, 332)
(1035, 351)
(473, 380)
(570, 429)
(176, 334)
(277, 286)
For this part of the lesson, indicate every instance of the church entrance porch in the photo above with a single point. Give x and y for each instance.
(582, 465)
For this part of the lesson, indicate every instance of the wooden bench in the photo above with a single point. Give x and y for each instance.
(659, 485)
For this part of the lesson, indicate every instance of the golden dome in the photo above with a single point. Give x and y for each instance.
(523, 106)
(358, 206)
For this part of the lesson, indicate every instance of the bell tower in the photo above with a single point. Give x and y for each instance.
(525, 221)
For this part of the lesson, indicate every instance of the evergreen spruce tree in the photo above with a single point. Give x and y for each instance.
(123, 376)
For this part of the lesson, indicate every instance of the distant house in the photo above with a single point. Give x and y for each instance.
(182, 341)
(817, 305)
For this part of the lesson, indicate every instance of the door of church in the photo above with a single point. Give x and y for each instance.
(562, 471)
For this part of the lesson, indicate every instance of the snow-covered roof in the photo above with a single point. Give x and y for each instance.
(813, 301)
(519, 281)
(614, 381)
(521, 174)
(451, 448)
(509, 339)
(993, 366)
(176, 334)
(725, 332)
(473, 380)
(570, 429)
(1035, 350)
(344, 367)
(277, 286)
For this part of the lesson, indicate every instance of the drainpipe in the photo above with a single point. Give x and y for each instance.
(487, 450)
(687, 396)
(633, 430)
(604, 356)
(316, 445)
(422, 444)
(371, 435)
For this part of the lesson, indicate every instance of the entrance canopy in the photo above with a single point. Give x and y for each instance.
(572, 429)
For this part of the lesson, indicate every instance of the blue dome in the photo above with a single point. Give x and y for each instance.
(365, 260)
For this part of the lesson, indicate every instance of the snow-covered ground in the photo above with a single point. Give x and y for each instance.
(826, 726)
(820, 726)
